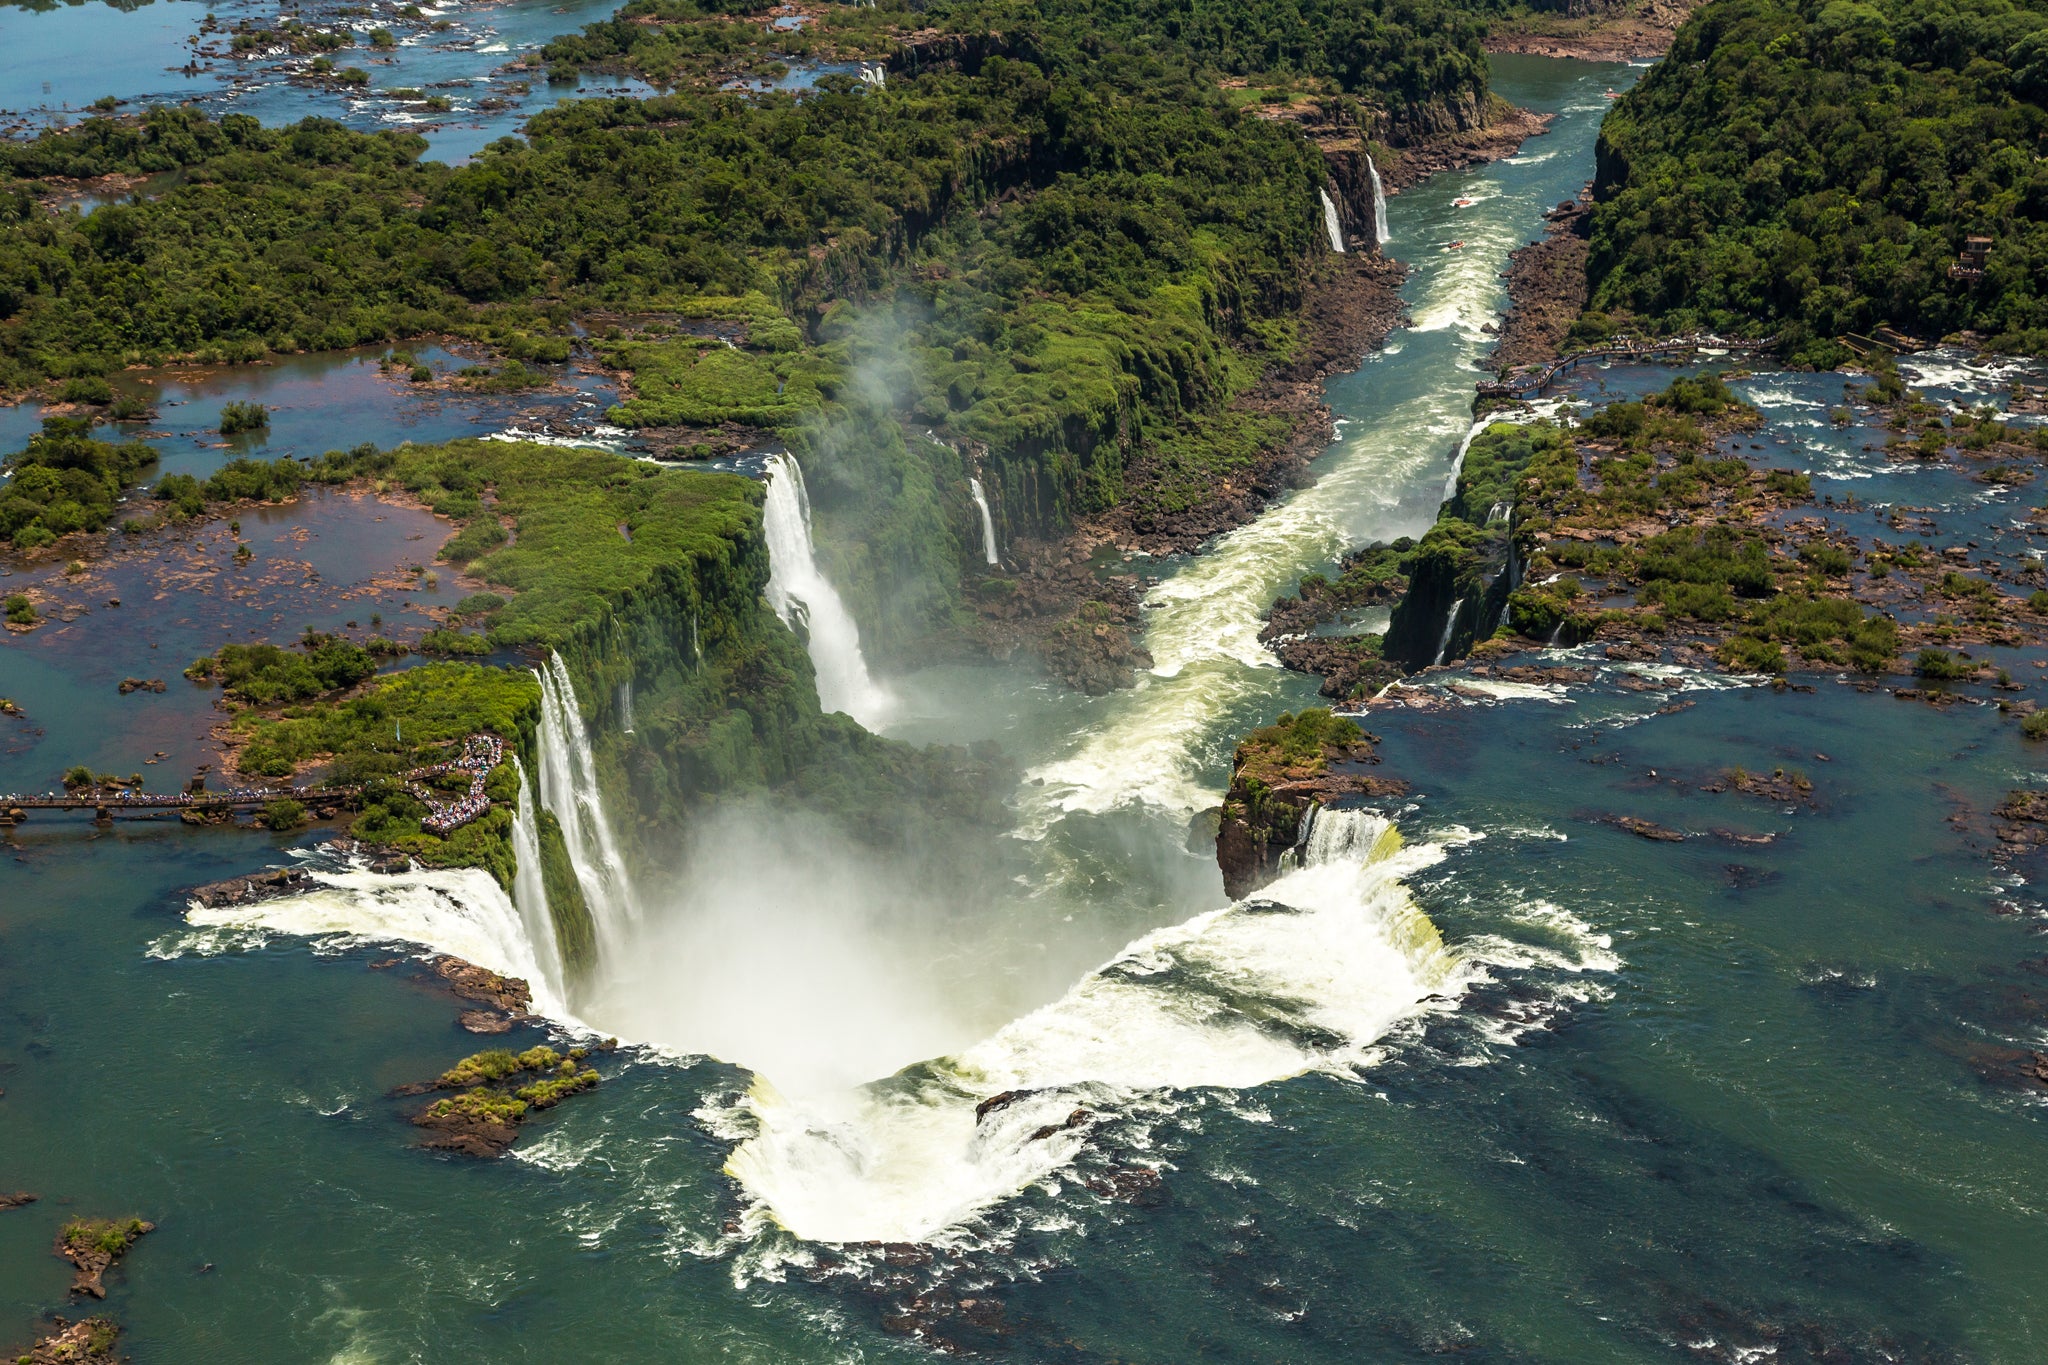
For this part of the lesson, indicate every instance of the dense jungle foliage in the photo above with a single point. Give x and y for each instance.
(1812, 168)
(65, 481)
(1407, 58)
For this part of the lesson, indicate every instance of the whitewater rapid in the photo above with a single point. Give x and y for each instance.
(1308, 975)
(1384, 479)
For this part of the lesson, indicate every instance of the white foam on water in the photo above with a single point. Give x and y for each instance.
(462, 912)
(1203, 623)
(1308, 975)
(599, 437)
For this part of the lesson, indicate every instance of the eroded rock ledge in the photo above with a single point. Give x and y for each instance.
(1278, 775)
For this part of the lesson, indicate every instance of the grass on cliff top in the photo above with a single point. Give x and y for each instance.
(590, 526)
(1295, 745)
(401, 722)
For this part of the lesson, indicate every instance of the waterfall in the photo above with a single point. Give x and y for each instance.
(1450, 625)
(1379, 204)
(808, 604)
(529, 888)
(1330, 223)
(696, 645)
(988, 525)
(626, 706)
(568, 785)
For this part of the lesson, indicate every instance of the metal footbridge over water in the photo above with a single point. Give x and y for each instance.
(480, 754)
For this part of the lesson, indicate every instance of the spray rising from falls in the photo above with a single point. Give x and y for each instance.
(1305, 978)
(1330, 223)
(1379, 204)
(808, 603)
(988, 522)
(568, 785)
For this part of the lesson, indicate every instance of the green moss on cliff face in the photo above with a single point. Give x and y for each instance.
(575, 933)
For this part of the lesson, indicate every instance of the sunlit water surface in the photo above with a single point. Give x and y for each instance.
(1512, 1084)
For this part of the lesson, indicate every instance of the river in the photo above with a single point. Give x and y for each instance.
(1512, 1084)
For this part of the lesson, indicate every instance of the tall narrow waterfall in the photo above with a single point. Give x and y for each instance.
(1379, 204)
(1450, 624)
(809, 604)
(988, 524)
(529, 888)
(1330, 223)
(626, 706)
(568, 784)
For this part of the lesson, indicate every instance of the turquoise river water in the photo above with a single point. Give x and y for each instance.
(1515, 1087)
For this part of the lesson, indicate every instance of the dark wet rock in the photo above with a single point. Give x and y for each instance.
(93, 1246)
(1350, 666)
(1744, 878)
(253, 890)
(1074, 1120)
(1644, 829)
(486, 987)
(1780, 787)
(141, 685)
(485, 1021)
(997, 1103)
(495, 1092)
(16, 1200)
(1140, 1185)
(90, 1341)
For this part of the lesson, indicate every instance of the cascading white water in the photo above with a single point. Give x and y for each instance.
(1379, 204)
(988, 522)
(459, 911)
(626, 706)
(1330, 223)
(803, 597)
(1319, 966)
(1450, 625)
(568, 785)
(529, 887)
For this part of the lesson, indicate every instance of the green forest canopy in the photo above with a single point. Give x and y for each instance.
(1812, 167)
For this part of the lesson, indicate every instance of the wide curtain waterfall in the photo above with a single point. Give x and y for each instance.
(568, 783)
(1330, 223)
(988, 522)
(808, 603)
